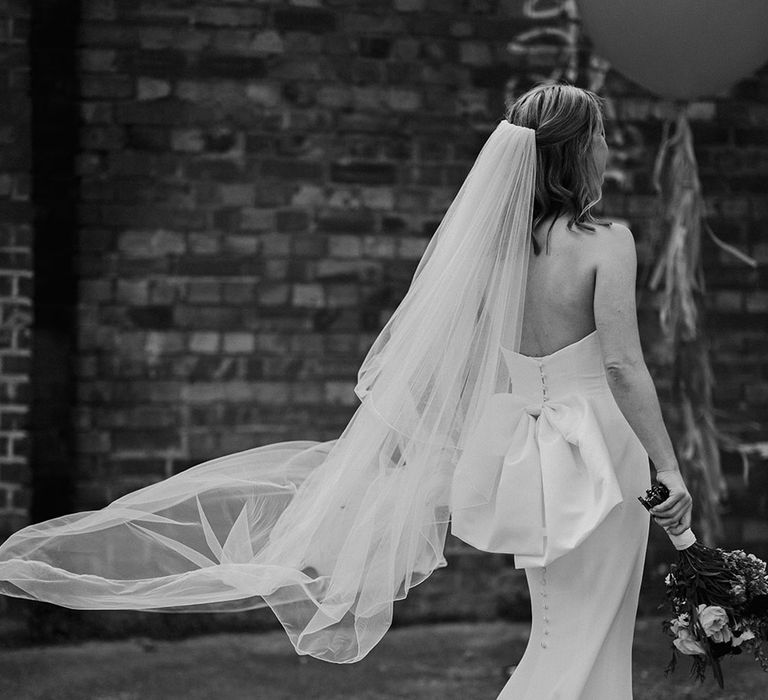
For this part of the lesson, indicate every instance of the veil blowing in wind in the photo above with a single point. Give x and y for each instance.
(327, 534)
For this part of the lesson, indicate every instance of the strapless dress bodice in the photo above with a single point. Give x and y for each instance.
(576, 367)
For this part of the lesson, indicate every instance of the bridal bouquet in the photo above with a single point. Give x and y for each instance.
(718, 599)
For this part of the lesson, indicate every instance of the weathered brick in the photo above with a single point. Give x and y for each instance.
(726, 301)
(97, 60)
(230, 62)
(151, 316)
(206, 392)
(163, 343)
(344, 246)
(145, 441)
(96, 112)
(411, 248)
(410, 5)
(155, 63)
(239, 342)
(147, 138)
(20, 499)
(152, 88)
(755, 530)
(239, 291)
(93, 441)
(171, 112)
(288, 220)
(151, 243)
(93, 291)
(219, 265)
(308, 19)
(271, 294)
(401, 100)
(757, 302)
(342, 295)
(205, 291)
(208, 317)
(224, 140)
(237, 194)
(379, 246)
(16, 471)
(309, 295)
(190, 140)
(475, 53)
(340, 393)
(334, 96)
(374, 47)
(293, 169)
(230, 16)
(257, 219)
(307, 195)
(98, 9)
(182, 39)
(15, 365)
(308, 246)
(101, 138)
(228, 44)
(99, 86)
(240, 244)
(364, 173)
(275, 244)
(378, 197)
(165, 290)
(203, 243)
(204, 342)
(263, 94)
(367, 98)
(267, 42)
(97, 33)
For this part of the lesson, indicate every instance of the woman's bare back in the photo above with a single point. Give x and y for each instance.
(560, 288)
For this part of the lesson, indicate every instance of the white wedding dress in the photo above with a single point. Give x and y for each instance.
(562, 458)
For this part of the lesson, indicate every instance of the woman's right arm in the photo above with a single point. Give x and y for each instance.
(627, 374)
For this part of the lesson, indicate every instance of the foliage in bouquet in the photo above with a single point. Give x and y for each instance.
(719, 614)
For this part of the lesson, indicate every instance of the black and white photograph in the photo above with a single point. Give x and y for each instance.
(383, 349)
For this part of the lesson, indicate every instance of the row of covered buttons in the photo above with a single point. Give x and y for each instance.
(543, 381)
(545, 619)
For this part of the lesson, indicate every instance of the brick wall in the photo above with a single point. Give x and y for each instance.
(15, 265)
(258, 181)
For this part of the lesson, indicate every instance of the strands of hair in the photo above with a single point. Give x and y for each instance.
(565, 118)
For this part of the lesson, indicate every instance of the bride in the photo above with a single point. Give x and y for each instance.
(505, 398)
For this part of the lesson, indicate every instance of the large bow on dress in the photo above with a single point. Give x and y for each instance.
(534, 480)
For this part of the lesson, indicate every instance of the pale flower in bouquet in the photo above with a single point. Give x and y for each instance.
(714, 621)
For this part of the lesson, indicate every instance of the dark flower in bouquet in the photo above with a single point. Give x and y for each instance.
(718, 600)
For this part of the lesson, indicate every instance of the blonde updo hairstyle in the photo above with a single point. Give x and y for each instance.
(565, 118)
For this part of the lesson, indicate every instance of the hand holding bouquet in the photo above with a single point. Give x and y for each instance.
(719, 601)
(674, 512)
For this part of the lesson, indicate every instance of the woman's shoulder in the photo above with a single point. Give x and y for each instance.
(598, 239)
(615, 234)
(614, 246)
(607, 226)
(613, 237)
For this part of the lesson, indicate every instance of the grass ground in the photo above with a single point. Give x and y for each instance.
(454, 661)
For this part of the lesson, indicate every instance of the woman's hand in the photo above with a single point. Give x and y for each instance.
(674, 515)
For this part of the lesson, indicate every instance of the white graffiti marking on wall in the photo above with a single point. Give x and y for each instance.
(552, 50)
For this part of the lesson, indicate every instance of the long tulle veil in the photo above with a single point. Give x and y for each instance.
(327, 534)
